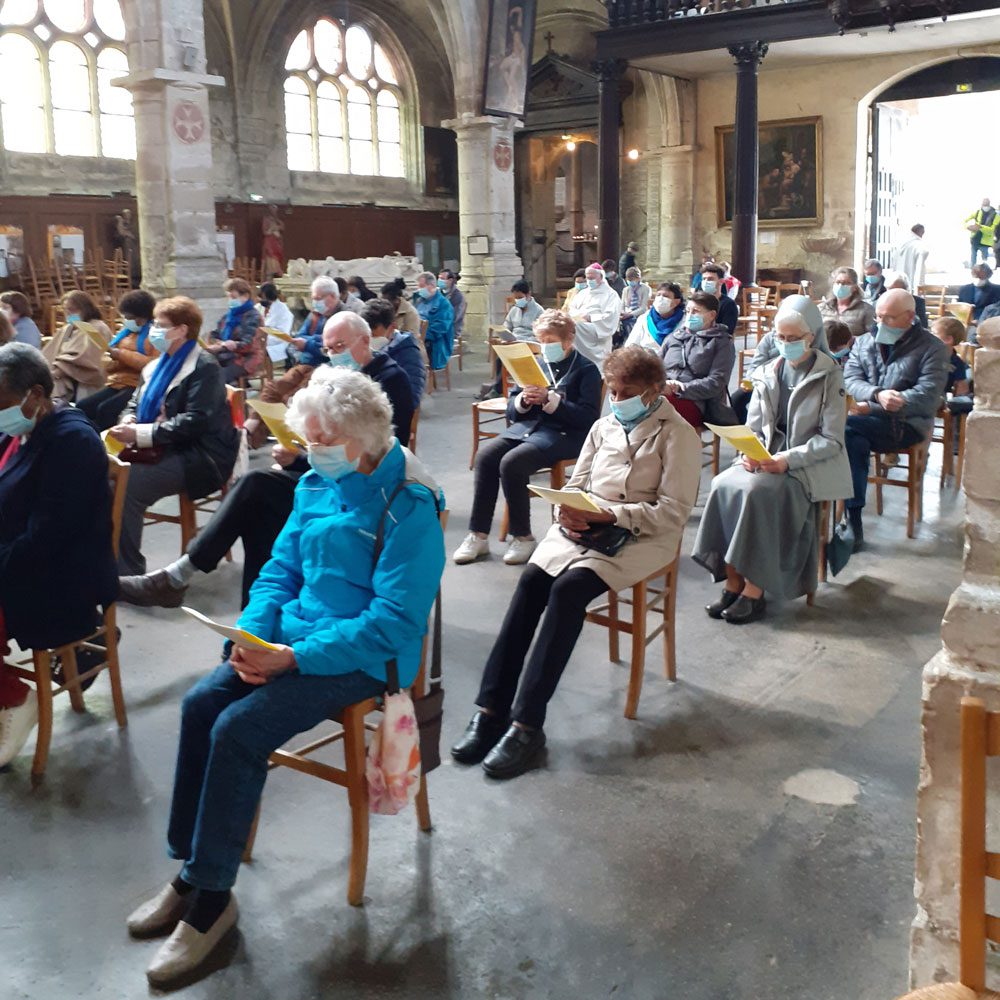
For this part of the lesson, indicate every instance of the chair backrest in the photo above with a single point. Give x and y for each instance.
(960, 310)
(745, 356)
(118, 476)
(754, 295)
(934, 298)
(967, 352)
(787, 288)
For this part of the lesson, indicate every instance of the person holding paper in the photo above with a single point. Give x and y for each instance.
(698, 360)
(336, 610)
(76, 358)
(519, 326)
(665, 314)
(641, 464)
(128, 353)
(277, 316)
(546, 425)
(596, 311)
(759, 532)
(235, 341)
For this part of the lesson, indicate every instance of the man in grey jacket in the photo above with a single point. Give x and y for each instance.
(896, 377)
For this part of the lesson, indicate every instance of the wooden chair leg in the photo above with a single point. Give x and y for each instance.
(638, 649)
(447, 375)
(824, 535)
(67, 656)
(614, 653)
(475, 437)
(42, 662)
(911, 494)
(504, 523)
(357, 797)
(947, 449)
(189, 524)
(669, 621)
(423, 807)
(879, 473)
(114, 666)
(715, 454)
(252, 837)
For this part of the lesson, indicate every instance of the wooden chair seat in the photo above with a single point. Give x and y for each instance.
(645, 598)
(949, 991)
(915, 467)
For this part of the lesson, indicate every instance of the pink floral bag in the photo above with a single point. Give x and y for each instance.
(393, 766)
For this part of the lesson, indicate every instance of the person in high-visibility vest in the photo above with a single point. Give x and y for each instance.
(982, 226)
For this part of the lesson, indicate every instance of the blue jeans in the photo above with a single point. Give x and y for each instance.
(228, 730)
(865, 434)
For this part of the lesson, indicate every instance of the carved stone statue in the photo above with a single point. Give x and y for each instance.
(272, 251)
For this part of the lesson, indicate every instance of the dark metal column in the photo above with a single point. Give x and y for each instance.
(748, 56)
(609, 161)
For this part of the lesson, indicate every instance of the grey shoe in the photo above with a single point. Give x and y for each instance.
(158, 915)
(187, 948)
(154, 590)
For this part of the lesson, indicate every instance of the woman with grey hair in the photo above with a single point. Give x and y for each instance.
(847, 303)
(759, 529)
(335, 614)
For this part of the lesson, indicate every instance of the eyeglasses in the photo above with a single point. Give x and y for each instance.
(338, 348)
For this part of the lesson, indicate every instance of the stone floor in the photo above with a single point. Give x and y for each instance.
(750, 836)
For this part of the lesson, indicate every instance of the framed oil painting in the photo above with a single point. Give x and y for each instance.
(508, 57)
(790, 185)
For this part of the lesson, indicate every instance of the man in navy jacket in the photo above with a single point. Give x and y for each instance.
(981, 292)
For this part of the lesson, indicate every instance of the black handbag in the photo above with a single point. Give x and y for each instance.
(607, 539)
(429, 708)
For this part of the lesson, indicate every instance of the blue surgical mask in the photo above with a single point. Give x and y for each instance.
(633, 284)
(520, 303)
(74, 318)
(592, 282)
(158, 339)
(331, 461)
(131, 325)
(791, 350)
(14, 422)
(344, 360)
(842, 353)
(553, 352)
(234, 304)
(426, 293)
(629, 411)
(842, 291)
(580, 285)
(710, 286)
(888, 334)
(318, 305)
(442, 284)
(872, 279)
(695, 322)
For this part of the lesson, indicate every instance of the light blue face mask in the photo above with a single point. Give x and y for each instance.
(344, 360)
(331, 461)
(695, 322)
(520, 303)
(872, 279)
(592, 282)
(158, 339)
(14, 422)
(842, 353)
(629, 411)
(793, 350)
(889, 334)
(73, 318)
(553, 352)
(632, 283)
(131, 325)
(318, 306)
(443, 284)
(842, 291)
(580, 285)
(426, 293)
(709, 285)
(234, 304)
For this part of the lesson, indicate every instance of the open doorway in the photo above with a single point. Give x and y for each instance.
(934, 144)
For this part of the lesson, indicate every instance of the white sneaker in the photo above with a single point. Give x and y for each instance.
(471, 549)
(15, 727)
(187, 948)
(519, 551)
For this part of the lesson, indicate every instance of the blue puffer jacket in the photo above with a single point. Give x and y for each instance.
(318, 593)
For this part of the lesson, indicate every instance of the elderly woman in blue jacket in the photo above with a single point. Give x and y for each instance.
(336, 617)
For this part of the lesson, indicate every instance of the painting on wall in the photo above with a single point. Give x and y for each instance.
(440, 162)
(790, 185)
(508, 48)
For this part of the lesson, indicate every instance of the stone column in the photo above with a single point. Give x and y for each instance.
(968, 664)
(486, 210)
(169, 86)
(677, 212)
(748, 56)
(609, 158)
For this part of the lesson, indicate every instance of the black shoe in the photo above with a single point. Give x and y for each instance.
(715, 609)
(154, 590)
(854, 516)
(515, 753)
(745, 610)
(480, 736)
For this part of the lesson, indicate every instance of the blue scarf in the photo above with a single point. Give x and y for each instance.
(232, 321)
(660, 327)
(140, 343)
(156, 388)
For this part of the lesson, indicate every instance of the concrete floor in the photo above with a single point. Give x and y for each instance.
(661, 858)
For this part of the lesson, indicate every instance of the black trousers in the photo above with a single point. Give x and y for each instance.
(509, 463)
(254, 510)
(105, 407)
(740, 401)
(560, 603)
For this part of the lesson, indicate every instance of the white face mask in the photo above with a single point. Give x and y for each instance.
(663, 305)
(377, 343)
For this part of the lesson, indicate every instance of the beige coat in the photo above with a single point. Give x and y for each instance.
(648, 480)
(77, 363)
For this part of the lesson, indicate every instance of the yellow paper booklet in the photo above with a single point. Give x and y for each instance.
(238, 635)
(577, 499)
(280, 334)
(93, 333)
(113, 445)
(273, 414)
(743, 440)
(522, 364)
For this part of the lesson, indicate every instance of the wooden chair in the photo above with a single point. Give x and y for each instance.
(414, 423)
(712, 443)
(960, 310)
(785, 289)
(915, 467)
(934, 297)
(826, 526)
(952, 462)
(980, 739)
(40, 672)
(353, 726)
(645, 598)
(744, 357)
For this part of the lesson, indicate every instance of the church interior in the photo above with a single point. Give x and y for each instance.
(800, 807)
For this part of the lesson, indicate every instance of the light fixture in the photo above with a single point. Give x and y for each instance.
(570, 146)
(633, 154)
(256, 197)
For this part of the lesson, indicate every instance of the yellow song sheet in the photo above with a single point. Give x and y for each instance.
(577, 499)
(93, 333)
(113, 445)
(273, 414)
(521, 363)
(238, 635)
(280, 334)
(743, 440)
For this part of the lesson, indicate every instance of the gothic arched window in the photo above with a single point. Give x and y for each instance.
(342, 102)
(58, 59)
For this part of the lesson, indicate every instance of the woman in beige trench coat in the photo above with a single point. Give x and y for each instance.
(641, 464)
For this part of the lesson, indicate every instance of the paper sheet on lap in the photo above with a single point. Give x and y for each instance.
(577, 499)
(522, 364)
(273, 414)
(743, 440)
(280, 334)
(238, 635)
